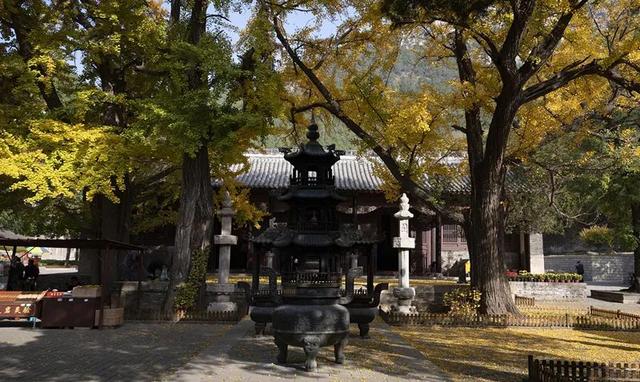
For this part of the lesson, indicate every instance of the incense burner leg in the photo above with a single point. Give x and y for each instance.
(311, 348)
(364, 329)
(282, 351)
(338, 350)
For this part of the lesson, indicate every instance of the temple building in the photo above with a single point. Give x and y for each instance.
(439, 243)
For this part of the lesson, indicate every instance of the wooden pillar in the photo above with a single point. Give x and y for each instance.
(103, 287)
(251, 253)
(370, 267)
(354, 209)
(522, 249)
(438, 249)
(428, 248)
(255, 283)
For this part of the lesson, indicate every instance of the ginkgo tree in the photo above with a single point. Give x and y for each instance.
(114, 108)
(522, 66)
(69, 73)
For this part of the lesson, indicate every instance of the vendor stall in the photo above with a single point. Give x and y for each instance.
(84, 306)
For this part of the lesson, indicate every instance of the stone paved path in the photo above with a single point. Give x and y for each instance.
(241, 356)
(134, 352)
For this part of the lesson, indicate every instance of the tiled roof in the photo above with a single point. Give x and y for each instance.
(272, 171)
(352, 173)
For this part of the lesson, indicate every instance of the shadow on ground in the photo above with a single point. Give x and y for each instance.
(139, 352)
(383, 357)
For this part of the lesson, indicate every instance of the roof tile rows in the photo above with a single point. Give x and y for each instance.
(352, 173)
(272, 171)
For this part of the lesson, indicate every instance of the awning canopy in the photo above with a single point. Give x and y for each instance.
(70, 243)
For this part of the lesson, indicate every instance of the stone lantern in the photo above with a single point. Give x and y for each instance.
(223, 290)
(404, 293)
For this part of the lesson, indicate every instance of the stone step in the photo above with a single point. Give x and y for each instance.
(616, 296)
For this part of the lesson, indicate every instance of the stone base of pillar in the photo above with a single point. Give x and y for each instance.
(222, 306)
(222, 300)
(405, 297)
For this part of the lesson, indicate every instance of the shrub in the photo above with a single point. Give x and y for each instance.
(463, 301)
(544, 277)
(598, 235)
(187, 292)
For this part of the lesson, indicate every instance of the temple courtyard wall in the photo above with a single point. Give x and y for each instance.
(598, 267)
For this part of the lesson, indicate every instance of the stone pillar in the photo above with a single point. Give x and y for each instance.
(223, 290)
(354, 259)
(269, 259)
(536, 253)
(404, 293)
(225, 240)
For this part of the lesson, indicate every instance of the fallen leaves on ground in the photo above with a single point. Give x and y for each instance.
(496, 354)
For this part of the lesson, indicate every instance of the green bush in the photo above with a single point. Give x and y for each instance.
(187, 292)
(545, 277)
(463, 301)
(598, 235)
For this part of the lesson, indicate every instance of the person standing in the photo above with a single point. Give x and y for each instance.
(580, 269)
(16, 273)
(31, 273)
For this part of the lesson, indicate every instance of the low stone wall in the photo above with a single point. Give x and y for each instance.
(147, 302)
(549, 290)
(598, 267)
(428, 297)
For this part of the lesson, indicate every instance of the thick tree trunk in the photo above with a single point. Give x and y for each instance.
(491, 279)
(635, 223)
(195, 220)
(195, 216)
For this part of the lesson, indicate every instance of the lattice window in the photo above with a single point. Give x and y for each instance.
(452, 233)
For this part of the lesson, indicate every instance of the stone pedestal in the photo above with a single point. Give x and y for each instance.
(222, 296)
(404, 293)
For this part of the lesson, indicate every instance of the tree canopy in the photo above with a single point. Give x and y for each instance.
(524, 70)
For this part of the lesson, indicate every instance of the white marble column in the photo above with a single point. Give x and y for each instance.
(404, 292)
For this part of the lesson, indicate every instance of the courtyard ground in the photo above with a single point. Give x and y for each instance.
(197, 352)
(494, 354)
(203, 352)
(133, 352)
(242, 356)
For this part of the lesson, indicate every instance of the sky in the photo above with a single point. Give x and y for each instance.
(239, 18)
(294, 21)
